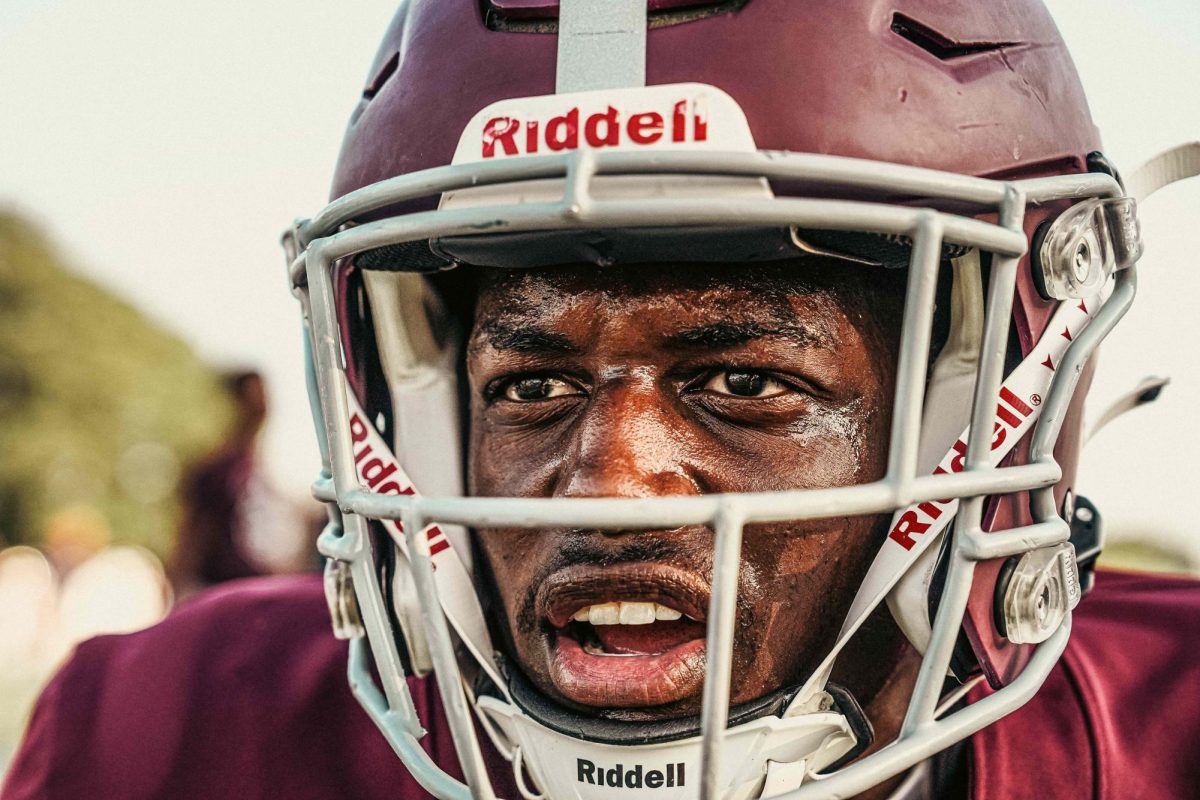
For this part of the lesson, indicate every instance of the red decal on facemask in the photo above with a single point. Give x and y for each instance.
(391, 487)
(438, 545)
(1017, 403)
(960, 452)
(679, 122)
(374, 471)
(931, 509)
(610, 127)
(531, 136)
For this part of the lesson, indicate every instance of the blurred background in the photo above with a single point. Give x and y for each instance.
(150, 361)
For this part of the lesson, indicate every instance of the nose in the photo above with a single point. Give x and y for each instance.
(629, 443)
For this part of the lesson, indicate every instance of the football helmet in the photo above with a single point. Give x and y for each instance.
(953, 142)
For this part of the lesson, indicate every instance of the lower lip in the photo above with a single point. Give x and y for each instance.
(627, 681)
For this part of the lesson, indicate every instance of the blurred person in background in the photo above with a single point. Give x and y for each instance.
(234, 523)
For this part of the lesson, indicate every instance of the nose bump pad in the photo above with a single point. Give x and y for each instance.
(628, 444)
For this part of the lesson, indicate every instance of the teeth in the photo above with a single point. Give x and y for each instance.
(605, 614)
(625, 613)
(637, 613)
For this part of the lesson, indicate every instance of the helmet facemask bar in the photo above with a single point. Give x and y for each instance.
(922, 733)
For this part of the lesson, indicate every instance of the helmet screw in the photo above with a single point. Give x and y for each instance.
(1083, 261)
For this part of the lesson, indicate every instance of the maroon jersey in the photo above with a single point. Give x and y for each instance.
(242, 693)
(1119, 717)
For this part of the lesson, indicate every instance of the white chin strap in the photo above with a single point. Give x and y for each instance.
(1177, 164)
(947, 412)
(761, 758)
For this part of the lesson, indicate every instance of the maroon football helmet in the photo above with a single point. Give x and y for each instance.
(953, 142)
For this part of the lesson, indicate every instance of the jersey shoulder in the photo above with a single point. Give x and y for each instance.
(240, 692)
(1134, 661)
(1125, 695)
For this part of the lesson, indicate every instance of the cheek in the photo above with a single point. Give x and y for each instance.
(801, 581)
(511, 462)
(806, 560)
(511, 557)
(839, 444)
(828, 447)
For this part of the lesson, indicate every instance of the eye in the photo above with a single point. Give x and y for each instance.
(529, 389)
(744, 383)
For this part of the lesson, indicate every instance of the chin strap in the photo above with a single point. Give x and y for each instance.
(1170, 166)
(915, 528)
(761, 758)
(379, 471)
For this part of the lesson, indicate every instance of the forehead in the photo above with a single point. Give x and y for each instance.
(671, 295)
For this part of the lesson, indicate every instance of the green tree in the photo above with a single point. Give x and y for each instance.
(100, 408)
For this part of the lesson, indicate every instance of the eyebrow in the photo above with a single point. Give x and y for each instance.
(729, 334)
(525, 339)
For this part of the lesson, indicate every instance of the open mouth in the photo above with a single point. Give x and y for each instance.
(626, 637)
(632, 628)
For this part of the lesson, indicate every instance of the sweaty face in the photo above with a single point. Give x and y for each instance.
(675, 380)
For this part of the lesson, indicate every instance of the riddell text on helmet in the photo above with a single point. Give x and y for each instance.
(1011, 411)
(686, 121)
(379, 472)
(376, 470)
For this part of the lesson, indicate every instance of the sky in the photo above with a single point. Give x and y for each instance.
(165, 146)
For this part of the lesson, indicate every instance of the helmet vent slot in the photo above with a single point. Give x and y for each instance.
(383, 76)
(375, 85)
(541, 16)
(938, 45)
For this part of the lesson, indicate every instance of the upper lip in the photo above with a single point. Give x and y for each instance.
(572, 588)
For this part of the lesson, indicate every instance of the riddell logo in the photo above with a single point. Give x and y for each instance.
(684, 121)
(381, 474)
(1011, 411)
(635, 777)
(377, 473)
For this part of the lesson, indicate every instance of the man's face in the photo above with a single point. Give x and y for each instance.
(675, 380)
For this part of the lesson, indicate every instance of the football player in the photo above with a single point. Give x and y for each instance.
(700, 388)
